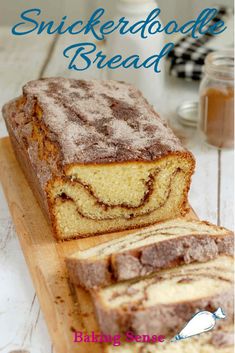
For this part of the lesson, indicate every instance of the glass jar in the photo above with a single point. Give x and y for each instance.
(150, 83)
(217, 100)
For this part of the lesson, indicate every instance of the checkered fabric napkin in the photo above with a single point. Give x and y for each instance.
(187, 57)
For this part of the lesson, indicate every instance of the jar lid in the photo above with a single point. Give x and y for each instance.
(187, 114)
(221, 64)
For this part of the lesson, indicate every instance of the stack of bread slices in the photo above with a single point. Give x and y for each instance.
(154, 281)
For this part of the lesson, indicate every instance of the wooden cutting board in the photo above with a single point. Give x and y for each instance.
(65, 308)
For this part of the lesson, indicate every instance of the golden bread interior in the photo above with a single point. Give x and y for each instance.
(110, 197)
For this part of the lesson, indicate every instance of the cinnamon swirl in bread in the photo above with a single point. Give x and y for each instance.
(164, 245)
(97, 156)
(166, 300)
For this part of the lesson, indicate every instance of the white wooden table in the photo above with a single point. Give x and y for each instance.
(22, 326)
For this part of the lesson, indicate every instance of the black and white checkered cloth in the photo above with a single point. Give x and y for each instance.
(188, 56)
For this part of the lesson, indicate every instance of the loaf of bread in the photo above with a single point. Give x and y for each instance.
(164, 245)
(216, 341)
(165, 301)
(97, 156)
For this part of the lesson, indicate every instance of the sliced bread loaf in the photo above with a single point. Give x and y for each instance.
(98, 157)
(164, 245)
(163, 302)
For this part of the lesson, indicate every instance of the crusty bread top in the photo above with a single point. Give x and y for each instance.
(159, 232)
(100, 121)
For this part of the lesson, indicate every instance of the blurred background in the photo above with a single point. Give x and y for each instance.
(180, 9)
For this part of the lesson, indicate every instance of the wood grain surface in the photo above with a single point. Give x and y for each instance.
(65, 308)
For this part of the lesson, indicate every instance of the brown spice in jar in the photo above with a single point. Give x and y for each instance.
(217, 116)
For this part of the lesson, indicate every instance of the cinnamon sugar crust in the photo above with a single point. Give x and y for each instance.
(100, 121)
(100, 157)
(165, 245)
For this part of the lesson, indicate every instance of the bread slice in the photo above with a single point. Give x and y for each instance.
(165, 301)
(216, 341)
(164, 245)
(97, 156)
